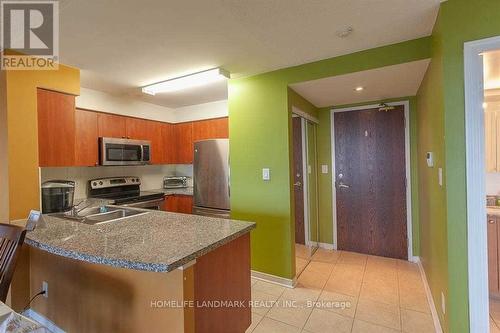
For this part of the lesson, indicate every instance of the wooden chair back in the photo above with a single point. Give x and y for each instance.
(11, 240)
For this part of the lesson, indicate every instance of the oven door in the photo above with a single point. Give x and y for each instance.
(156, 204)
(113, 151)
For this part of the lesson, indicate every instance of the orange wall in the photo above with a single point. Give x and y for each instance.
(24, 191)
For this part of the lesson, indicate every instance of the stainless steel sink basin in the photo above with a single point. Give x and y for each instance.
(99, 215)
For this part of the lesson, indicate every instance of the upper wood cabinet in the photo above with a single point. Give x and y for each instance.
(492, 143)
(56, 128)
(183, 134)
(169, 142)
(111, 126)
(210, 129)
(69, 136)
(158, 142)
(86, 138)
(137, 129)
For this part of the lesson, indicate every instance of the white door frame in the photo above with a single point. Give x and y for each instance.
(409, 222)
(305, 187)
(476, 191)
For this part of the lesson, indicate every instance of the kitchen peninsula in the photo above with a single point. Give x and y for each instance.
(135, 274)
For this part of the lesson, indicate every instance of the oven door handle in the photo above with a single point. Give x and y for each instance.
(149, 203)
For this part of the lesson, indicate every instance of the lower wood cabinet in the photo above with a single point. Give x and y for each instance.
(493, 254)
(179, 203)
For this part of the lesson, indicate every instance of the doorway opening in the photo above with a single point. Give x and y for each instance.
(371, 180)
(305, 188)
(482, 125)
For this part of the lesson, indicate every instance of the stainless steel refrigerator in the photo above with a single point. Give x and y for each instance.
(211, 178)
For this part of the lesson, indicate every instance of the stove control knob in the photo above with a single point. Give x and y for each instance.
(100, 183)
(137, 179)
(94, 183)
(133, 180)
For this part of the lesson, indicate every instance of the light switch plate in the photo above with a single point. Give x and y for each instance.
(266, 174)
(324, 168)
(440, 176)
(309, 169)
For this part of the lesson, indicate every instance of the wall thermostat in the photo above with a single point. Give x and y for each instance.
(430, 159)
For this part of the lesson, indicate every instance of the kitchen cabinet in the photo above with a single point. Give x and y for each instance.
(137, 129)
(169, 142)
(86, 138)
(211, 129)
(179, 203)
(111, 126)
(492, 143)
(183, 133)
(69, 136)
(56, 128)
(493, 254)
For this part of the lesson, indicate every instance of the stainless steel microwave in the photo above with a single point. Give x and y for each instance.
(114, 151)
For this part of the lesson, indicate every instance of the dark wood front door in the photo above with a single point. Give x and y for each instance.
(298, 181)
(370, 182)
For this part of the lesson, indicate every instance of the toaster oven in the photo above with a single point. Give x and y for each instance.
(175, 182)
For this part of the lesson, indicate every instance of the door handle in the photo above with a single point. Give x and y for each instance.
(297, 184)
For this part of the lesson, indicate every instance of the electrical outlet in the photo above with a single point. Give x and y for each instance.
(443, 303)
(45, 287)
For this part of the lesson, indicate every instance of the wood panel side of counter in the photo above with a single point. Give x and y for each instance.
(85, 297)
(224, 275)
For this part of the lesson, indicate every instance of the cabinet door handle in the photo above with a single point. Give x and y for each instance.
(491, 221)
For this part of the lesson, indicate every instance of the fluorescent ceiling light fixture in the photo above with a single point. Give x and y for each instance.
(485, 105)
(187, 81)
(359, 88)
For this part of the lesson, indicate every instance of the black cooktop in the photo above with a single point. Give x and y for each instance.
(131, 196)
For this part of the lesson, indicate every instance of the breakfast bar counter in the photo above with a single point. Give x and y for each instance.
(144, 273)
(156, 241)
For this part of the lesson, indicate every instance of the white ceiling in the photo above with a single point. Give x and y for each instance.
(124, 44)
(381, 83)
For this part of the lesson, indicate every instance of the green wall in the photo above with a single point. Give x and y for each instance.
(259, 123)
(325, 180)
(441, 106)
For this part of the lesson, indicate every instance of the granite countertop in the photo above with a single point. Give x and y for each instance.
(180, 191)
(157, 241)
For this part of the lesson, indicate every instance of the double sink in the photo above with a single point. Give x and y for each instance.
(100, 214)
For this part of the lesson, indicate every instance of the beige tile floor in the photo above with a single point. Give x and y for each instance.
(302, 257)
(345, 292)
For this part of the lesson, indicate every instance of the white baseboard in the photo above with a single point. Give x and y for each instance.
(289, 283)
(326, 246)
(430, 299)
(30, 313)
(414, 259)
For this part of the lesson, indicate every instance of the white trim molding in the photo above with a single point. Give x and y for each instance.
(289, 283)
(409, 222)
(476, 176)
(304, 115)
(430, 300)
(326, 246)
